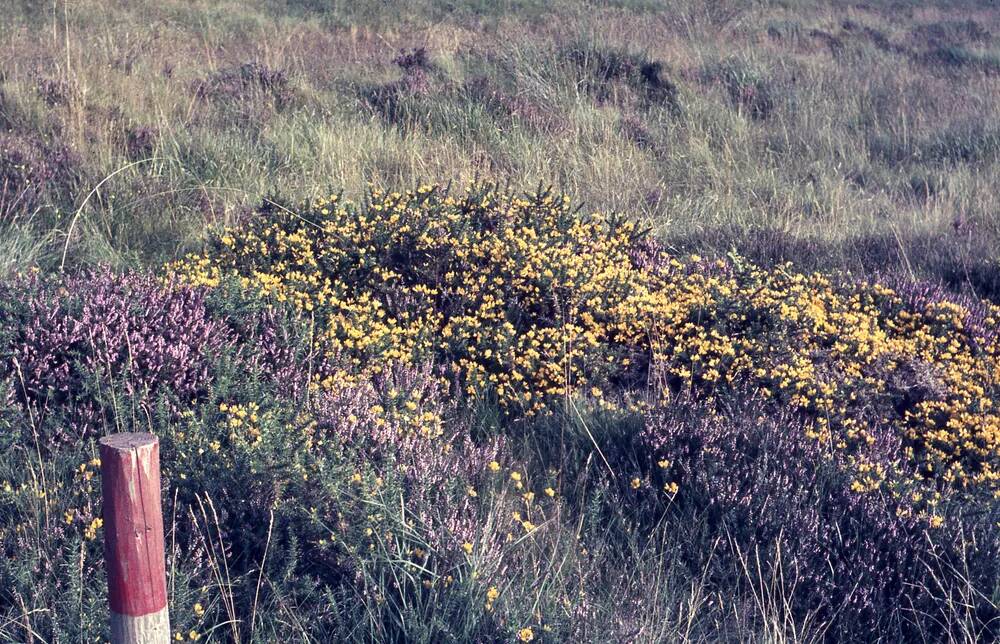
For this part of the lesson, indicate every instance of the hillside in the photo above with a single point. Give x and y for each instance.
(830, 133)
(507, 321)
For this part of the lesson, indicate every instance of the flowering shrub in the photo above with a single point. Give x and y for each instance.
(99, 352)
(269, 343)
(399, 422)
(130, 332)
(782, 503)
(526, 300)
(368, 483)
(93, 344)
(849, 356)
(515, 294)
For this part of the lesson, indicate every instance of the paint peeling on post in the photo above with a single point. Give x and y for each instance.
(133, 539)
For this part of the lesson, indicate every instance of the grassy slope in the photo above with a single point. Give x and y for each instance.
(843, 136)
(846, 136)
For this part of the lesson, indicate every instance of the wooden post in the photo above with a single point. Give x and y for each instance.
(133, 539)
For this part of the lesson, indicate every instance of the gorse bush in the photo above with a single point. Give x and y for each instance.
(850, 356)
(477, 415)
(515, 295)
(525, 300)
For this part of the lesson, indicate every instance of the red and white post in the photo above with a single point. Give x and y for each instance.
(133, 539)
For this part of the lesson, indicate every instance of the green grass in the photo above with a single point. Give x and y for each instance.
(829, 124)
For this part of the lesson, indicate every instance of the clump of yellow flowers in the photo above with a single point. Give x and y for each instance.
(243, 422)
(518, 294)
(528, 302)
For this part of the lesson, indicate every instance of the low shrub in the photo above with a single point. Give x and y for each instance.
(249, 81)
(524, 300)
(32, 174)
(963, 58)
(271, 504)
(951, 32)
(781, 507)
(99, 348)
(601, 69)
(395, 101)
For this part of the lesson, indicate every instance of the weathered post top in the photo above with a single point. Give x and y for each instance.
(133, 539)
